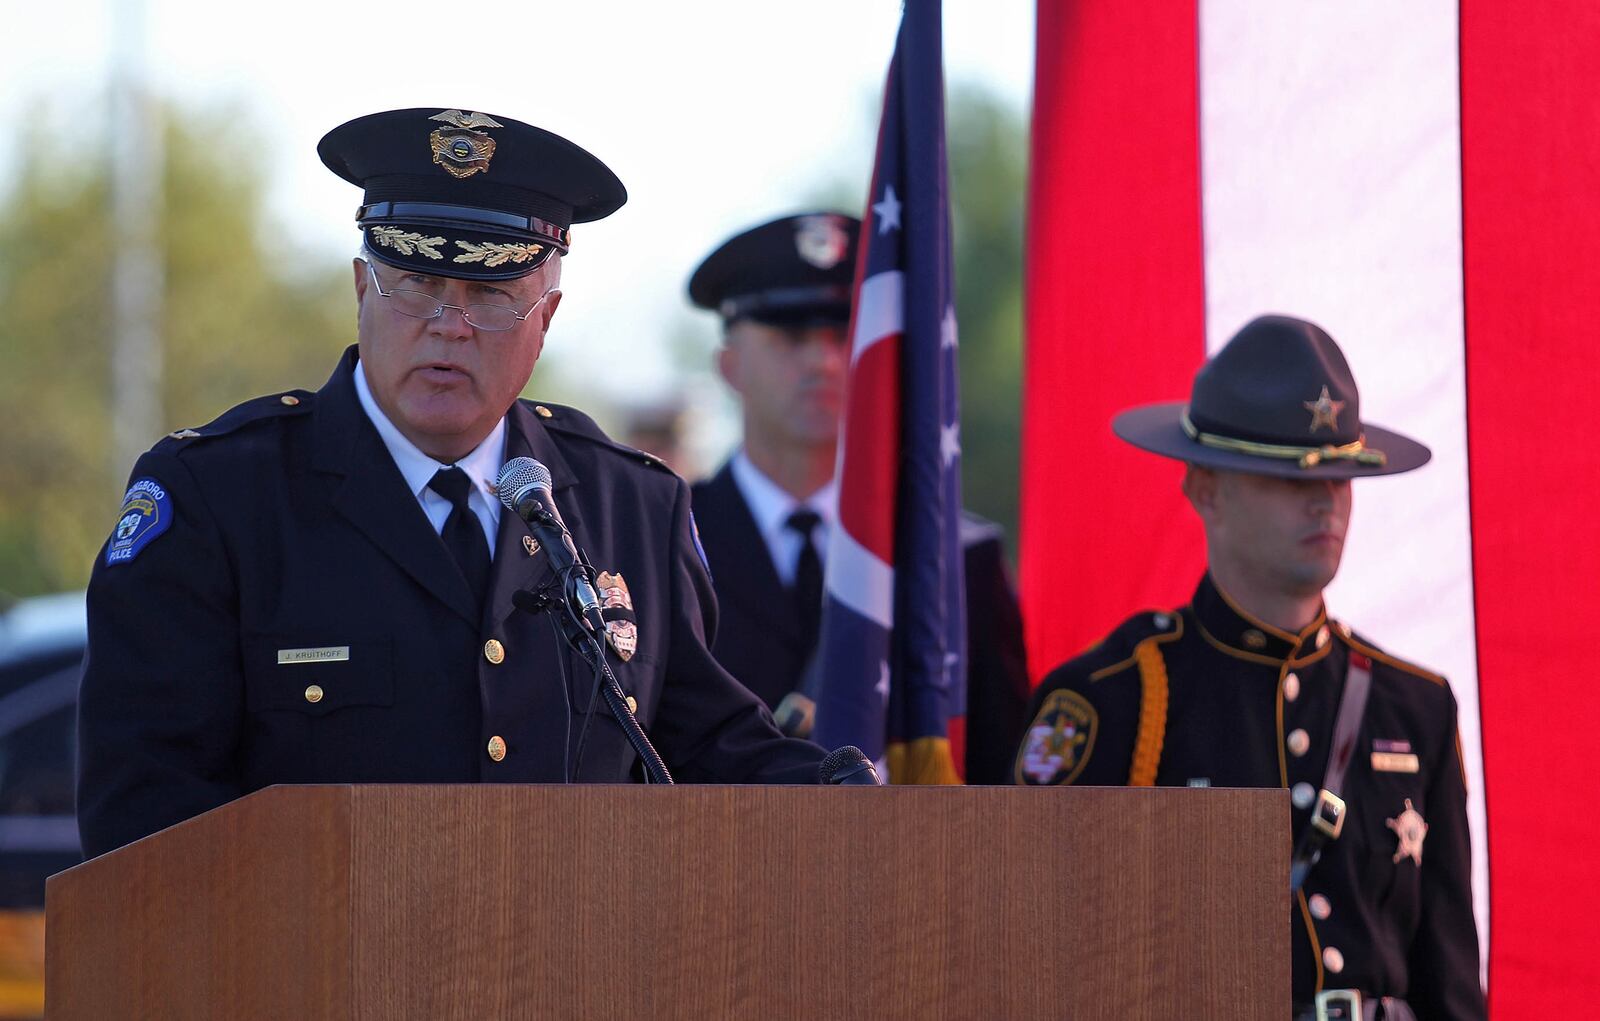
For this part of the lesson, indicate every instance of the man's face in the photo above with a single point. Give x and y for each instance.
(1285, 534)
(789, 379)
(443, 383)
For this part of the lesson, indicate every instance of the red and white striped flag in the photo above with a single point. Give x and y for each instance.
(1423, 180)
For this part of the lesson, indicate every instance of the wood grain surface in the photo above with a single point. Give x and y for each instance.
(687, 902)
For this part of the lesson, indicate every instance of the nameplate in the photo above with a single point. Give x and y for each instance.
(326, 654)
(1393, 762)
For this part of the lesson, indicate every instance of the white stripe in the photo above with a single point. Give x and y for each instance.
(860, 580)
(1331, 178)
(880, 312)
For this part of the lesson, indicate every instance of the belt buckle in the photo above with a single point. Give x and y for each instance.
(1339, 1004)
(1328, 815)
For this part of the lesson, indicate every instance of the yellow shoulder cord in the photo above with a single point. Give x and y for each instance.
(1152, 714)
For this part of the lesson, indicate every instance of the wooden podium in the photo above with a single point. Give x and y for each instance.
(488, 902)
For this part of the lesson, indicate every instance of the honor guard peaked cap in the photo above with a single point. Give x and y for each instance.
(460, 193)
(1279, 399)
(793, 271)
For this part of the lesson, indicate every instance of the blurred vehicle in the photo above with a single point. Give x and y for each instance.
(41, 655)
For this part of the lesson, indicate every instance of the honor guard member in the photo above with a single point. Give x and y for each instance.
(318, 586)
(1254, 685)
(783, 292)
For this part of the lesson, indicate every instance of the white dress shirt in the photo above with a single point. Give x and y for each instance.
(771, 506)
(482, 467)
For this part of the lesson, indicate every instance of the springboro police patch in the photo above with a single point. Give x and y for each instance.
(146, 513)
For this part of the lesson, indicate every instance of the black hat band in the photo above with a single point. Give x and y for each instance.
(1307, 457)
(783, 299)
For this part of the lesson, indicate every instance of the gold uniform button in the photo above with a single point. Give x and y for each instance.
(633, 706)
(542, 411)
(1302, 794)
(497, 748)
(1299, 742)
(494, 652)
(1320, 908)
(1333, 959)
(289, 399)
(1322, 636)
(1291, 687)
(1254, 639)
(314, 694)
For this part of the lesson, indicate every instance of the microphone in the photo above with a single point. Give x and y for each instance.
(848, 766)
(524, 488)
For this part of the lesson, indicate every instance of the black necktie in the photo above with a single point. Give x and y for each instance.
(807, 576)
(463, 534)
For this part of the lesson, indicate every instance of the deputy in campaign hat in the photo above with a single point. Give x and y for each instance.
(1278, 399)
(1254, 684)
(790, 271)
(465, 194)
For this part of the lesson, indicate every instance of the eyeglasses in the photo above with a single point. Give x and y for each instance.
(420, 305)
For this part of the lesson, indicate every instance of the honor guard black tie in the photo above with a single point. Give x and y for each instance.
(463, 534)
(808, 575)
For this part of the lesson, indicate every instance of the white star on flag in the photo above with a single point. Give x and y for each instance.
(947, 328)
(888, 211)
(882, 687)
(950, 442)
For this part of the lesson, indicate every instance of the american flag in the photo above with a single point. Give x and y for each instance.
(892, 655)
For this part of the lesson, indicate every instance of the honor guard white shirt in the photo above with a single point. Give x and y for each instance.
(482, 467)
(771, 506)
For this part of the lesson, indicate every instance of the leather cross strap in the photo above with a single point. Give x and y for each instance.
(1327, 815)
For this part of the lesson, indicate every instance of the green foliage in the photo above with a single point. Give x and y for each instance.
(242, 314)
(987, 141)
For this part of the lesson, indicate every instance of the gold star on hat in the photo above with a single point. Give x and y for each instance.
(1324, 411)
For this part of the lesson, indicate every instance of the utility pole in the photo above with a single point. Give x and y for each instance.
(138, 275)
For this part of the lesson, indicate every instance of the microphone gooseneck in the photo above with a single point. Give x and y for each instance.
(524, 488)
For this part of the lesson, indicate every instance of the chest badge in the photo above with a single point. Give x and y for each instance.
(1410, 828)
(1059, 740)
(616, 605)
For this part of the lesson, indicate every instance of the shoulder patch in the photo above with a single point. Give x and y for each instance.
(146, 513)
(1059, 741)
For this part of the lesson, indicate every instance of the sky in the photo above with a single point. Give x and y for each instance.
(716, 114)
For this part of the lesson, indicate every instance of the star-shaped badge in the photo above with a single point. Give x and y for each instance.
(1324, 411)
(1410, 829)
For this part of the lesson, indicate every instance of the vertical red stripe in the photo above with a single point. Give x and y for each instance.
(1531, 223)
(1115, 315)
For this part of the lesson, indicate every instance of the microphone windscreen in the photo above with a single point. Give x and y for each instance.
(848, 765)
(517, 476)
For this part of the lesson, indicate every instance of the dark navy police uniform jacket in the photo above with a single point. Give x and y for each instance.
(274, 607)
(1209, 696)
(760, 639)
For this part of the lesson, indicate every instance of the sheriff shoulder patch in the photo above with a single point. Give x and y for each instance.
(1059, 741)
(146, 513)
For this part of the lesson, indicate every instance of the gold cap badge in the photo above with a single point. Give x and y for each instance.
(461, 149)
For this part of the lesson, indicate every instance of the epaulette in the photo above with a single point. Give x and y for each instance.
(1377, 655)
(1115, 652)
(572, 422)
(258, 409)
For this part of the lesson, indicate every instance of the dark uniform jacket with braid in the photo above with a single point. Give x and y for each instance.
(1207, 696)
(275, 607)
